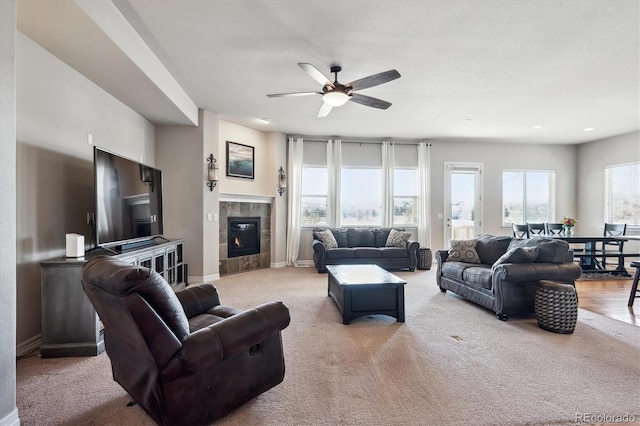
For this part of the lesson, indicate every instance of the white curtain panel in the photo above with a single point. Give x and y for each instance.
(388, 163)
(334, 165)
(424, 195)
(294, 200)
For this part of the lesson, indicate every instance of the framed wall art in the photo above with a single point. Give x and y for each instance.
(240, 160)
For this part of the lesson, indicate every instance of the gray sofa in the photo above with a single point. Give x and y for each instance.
(357, 246)
(504, 275)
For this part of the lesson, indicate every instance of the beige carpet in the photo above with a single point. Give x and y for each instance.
(451, 363)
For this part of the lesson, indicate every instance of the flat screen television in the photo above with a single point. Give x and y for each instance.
(128, 200)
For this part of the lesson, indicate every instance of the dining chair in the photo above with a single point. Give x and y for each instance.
(613, 230)
(520, 231)
(634, 286)
(553, 228)
(535, 229)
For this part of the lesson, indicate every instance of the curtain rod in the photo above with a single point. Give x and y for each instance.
(370, 141)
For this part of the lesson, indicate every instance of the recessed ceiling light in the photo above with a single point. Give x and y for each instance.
(537, 127)
(589, 129)
(264, 120)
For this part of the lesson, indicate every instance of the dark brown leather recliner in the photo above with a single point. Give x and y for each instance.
(184, 357)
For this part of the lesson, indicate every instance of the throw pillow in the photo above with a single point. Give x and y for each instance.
(397, 238)
(327, 238)
(491, 247)
(463, 251)
(361, 237)
(549, 250)
(518, 255)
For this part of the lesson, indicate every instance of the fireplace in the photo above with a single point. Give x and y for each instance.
(243, 236)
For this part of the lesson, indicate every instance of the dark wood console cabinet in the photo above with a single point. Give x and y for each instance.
(70, 325)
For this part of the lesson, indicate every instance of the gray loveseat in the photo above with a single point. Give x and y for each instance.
(356, 246)
(505, 272)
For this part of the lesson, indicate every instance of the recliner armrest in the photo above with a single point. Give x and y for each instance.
(210, 345)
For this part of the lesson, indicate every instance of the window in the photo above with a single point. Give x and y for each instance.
(405, 197)
(315, 184)
(527, 196)
(622, 194)
(361, 196)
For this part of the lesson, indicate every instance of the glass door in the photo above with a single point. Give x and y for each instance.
(463, 201)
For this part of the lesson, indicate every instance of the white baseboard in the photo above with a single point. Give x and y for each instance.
(28, 346)
(278, 264)
(204, 279)
(11, 419)
(304, 263)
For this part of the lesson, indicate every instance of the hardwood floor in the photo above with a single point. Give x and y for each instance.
(609, 298)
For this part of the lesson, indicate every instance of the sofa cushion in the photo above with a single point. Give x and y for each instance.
(518, 255)
(340, 234)
(397, 238)
(491, 247)
(549, 250)
(394, 252)
(463, 251)
(359, 237)
(341, 253)
(327, 238)
(381, 235)
(478, 276)
(367, 252)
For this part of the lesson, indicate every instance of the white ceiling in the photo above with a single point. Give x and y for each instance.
(472, 69)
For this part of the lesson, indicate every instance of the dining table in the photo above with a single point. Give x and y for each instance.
(590, 254)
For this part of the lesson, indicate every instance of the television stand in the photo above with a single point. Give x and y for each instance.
(123, 248)
(70, 324)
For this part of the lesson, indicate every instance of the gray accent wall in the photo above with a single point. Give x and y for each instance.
(57, 108)
(8, 410)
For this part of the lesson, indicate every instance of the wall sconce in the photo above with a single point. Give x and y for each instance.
(282, 181)
(212, 172)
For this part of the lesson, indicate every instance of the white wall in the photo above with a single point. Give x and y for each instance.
(264, 181)
(495, 158)
(56, 108)
(592, 159)
(277, 149)
(182, 153)
(8, 410)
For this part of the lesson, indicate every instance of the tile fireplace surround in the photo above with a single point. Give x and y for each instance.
(254, 261)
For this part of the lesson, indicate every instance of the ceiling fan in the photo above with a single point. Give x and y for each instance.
(336, 94)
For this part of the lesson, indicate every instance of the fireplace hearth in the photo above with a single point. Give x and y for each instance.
(243, 236)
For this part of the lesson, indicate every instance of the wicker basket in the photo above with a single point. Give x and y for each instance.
(424, 258)
(556, 307)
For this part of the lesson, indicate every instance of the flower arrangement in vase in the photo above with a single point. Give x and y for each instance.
(568, 223)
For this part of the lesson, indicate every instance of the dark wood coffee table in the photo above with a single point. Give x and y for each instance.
(360, 290)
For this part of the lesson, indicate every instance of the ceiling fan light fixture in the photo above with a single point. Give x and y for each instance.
(335, 98)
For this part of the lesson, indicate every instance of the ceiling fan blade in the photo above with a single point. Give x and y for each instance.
(281, 95)
(369, 101)
(315, 74)
(325, 109)
(374, 80)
